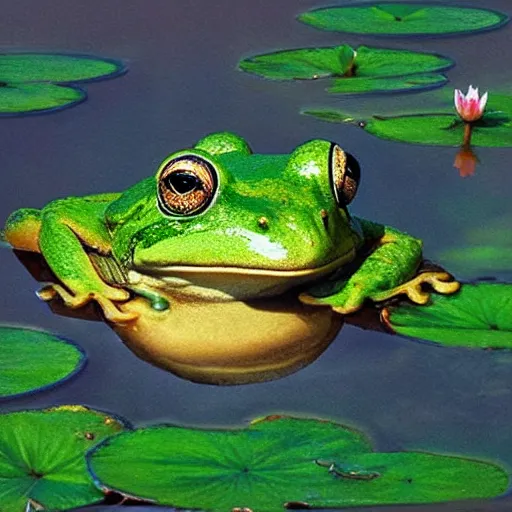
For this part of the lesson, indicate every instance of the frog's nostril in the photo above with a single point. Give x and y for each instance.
(263, 223)
(325, 217)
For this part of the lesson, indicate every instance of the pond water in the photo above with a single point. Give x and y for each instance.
(182, 84)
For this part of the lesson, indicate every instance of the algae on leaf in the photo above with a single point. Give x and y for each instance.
(32, 360)
(42, 457)
(392, 18)
(478, 316)
(279, 460)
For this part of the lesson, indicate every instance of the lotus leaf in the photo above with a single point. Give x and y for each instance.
(33, 360)
(42, 463)
(479, 316)
(391, 18)
(278, 460)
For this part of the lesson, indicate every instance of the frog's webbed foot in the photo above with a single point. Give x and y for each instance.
(105, 298)
(441, 282)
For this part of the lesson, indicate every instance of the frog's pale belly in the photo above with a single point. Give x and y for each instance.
(230, 342)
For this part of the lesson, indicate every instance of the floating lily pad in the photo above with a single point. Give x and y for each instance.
(37, 98)
(57, 68)
(42, 457)
(387, 84)
(361, 66)
(403, 19)
(278, 461)
(33, 360)
(440, 129)
(479, 316)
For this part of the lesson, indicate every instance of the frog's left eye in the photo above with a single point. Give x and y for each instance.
(186, 186)
(345, 175)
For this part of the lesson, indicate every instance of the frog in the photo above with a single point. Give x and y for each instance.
(222, 232)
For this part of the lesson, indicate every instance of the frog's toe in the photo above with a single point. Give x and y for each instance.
(104, 298)
(441, 282)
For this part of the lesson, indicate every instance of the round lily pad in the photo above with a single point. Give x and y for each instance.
(57, 68)
(309, 463)
(42, 457)
(362, 66)
(392, 18)
(34, 360)
(432, 128)
(479, 315)
(388, 84)
(30, 98)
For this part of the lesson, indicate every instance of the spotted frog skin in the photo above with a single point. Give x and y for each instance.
(220, 224)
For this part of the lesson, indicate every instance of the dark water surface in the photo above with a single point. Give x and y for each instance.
(183, 84)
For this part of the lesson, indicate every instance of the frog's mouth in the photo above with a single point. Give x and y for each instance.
(229, 283)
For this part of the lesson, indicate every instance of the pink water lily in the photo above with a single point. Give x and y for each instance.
(471, 106)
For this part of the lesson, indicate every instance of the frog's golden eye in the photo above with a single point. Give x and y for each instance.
(345, 175)
(186, 186)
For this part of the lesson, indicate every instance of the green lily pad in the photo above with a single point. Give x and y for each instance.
(385, 18)
(387, 84)
(30, 98)
(57, 68)
(431, 128)
(350, 65)
(479, 315)
(280, 460)
(34, 360)
(42, 457)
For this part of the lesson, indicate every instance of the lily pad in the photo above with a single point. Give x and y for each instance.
(389, 18)
(34, 360)
(42, 457)
(349, 65)
(432, 128)
(479, 315)
(37, 98)
(57, 68)
(388, 84)
(310, 463)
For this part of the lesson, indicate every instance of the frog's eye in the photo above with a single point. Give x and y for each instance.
(345, 175)
(186, 186)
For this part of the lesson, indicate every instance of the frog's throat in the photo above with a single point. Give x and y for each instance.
(219, 283)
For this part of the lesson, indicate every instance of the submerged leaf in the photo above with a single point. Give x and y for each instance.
(278, 460)
(494, 129)
(403, 18)
(16, 99)
(479, 316)
(362, 66)
(33, 360)
(42, 457)
(57, 68)
(388, 84)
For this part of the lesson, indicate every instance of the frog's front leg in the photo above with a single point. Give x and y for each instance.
(66, 228)
(386, 272)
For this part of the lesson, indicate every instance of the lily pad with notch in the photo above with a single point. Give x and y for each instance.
(280, 461)
(393, 18)
(33, 360)
(42, 457)
(478, 316)
(31, 98)
(33, 82)
(363, 65)
(434, 128)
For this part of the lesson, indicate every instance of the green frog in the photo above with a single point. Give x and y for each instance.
(223, 258)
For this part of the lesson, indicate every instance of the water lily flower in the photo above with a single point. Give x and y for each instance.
(471, 106)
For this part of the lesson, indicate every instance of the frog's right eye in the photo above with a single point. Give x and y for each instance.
(186, 186)
(345, 175)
